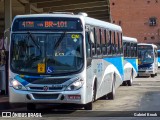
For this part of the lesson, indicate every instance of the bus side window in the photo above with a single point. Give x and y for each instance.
(120, 43)
(116, 43)
(113, 43)
(128, 50)
(104, 44)
(98, 39)
(109, 43)
(107, 37)
(88, 46)
(118, 46)
(132, 50)
(136, 49)
(94, 51)
(125, 49)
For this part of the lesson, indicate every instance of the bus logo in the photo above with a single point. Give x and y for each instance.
(45, 88)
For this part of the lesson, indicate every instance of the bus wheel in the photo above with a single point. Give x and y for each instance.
(88, 106)
(124, 83)
(129, 82)
(111, 95)
(94, 93)
(31, 106)
(152, 75)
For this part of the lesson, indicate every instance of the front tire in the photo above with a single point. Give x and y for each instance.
(152, 75)
(155, 74)
(124, 83)
(88, 106)
(129, 82)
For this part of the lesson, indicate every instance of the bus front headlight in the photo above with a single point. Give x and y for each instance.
(75, 85)
(17, 85)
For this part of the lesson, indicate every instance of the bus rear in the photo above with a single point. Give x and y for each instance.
(46, 60)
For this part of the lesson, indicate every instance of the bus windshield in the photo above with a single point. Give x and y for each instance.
(145, 56)
(55, 53)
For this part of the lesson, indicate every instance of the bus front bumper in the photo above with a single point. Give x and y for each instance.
(158, 64)
(19, 96)
(145, 73)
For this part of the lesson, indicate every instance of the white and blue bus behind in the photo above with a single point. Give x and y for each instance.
(130, 60)
(42, 72)
(158, 58)
(147, 60)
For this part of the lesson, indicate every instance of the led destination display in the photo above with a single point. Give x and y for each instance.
(47, 24)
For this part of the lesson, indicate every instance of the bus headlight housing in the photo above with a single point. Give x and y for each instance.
(17, 85)
(75, 85)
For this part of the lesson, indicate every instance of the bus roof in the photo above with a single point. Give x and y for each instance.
(85, 20)
(130, 39)
(148, 44)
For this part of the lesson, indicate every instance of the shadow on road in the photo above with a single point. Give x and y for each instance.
(142, 76)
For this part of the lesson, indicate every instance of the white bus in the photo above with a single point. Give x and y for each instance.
(64, 58)
(147, 60)
(130, 60)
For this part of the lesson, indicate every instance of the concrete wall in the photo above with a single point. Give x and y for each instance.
(133, 16)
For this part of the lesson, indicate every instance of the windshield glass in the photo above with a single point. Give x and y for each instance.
(145, 56)
(46, 53)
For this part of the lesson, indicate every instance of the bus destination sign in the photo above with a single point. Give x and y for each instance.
(47, 25)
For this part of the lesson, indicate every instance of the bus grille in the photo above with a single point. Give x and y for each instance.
(42, 88)
(45, 96)
(46, 80)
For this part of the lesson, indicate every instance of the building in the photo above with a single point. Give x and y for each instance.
(138, 18)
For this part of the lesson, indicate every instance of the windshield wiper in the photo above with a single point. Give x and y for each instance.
(34, 41)
(59, 40)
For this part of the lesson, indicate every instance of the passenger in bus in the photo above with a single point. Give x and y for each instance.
(71, 51)
(148, 55)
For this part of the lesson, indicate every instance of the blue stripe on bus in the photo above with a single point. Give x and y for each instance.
(132, 62)
(158, 56)
(26, 76)
(117, 62)
(22, 81)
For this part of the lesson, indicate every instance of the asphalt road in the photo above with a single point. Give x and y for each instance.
(142, 97)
